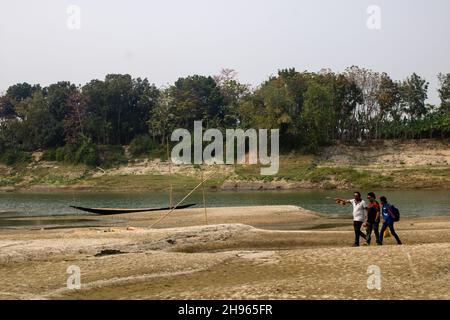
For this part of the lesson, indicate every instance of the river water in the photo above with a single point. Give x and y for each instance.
(410, 202)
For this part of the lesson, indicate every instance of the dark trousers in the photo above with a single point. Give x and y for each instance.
(358, 233)
(375, 227)
(391, 228)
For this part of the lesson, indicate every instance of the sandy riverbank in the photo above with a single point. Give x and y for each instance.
(276, 252)
(399, 164)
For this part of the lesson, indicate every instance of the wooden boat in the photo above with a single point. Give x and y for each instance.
(108, 211)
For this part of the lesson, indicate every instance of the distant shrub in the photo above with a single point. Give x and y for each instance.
(87, 153)
(83, 151)
(111, 155)
(49, 155)
(60, 154)
(13, 156)
(141, 145)
(159, 152)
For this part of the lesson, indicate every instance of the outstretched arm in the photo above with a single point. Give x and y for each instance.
(341, 201)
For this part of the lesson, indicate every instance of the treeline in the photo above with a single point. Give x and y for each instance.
(87, 123)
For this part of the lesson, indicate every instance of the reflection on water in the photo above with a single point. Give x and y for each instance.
(53, 223)
(411, 202)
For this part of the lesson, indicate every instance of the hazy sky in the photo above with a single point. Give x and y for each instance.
(163, 40)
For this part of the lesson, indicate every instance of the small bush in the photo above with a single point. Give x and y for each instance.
(13, 156)
(60, 154)
(49, 155)
(83, 151)
(111, 155)
(141, 145)
(87, 153)
(158, 153)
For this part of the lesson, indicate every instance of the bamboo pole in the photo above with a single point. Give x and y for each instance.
(170, 176)
(181, 201)
(204, 200)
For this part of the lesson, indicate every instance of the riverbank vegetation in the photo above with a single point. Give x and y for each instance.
(405, 164)
(78, 124)
(115, 122)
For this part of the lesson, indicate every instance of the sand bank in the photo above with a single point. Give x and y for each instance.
(276, 252)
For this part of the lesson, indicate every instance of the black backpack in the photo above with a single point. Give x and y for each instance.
(395, 213)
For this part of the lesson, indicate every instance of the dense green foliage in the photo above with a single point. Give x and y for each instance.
(14, 156)
(82, 151)
(89, 124)
(141, 145)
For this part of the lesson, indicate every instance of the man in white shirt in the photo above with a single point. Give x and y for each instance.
(359, 211)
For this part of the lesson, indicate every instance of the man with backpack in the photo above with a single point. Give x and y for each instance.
(390, 215)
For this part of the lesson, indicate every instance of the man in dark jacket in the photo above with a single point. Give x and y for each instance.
(373, 218)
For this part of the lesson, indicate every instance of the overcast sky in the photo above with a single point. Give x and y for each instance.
(163, 40)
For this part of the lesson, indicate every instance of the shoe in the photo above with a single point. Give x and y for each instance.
(356, 245)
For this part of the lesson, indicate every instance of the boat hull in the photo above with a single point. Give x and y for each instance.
(110, 211)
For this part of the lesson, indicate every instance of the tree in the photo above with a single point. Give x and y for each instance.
(365, 114)
(39, 128)
(444, 92)
(143, 99)
(98, 125)
(389, 98)
(310, 110)
(414, 93)
(233, 93)
(347, 96)
(317, 116)
(278, 104)
(118, 108)
(197, 98)
(9, 134)
(76, 118)
(162, 118)
(119, 100)
(57, 95)
(270, 108)
(6, 107)
(296, 84)
(22, 91)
